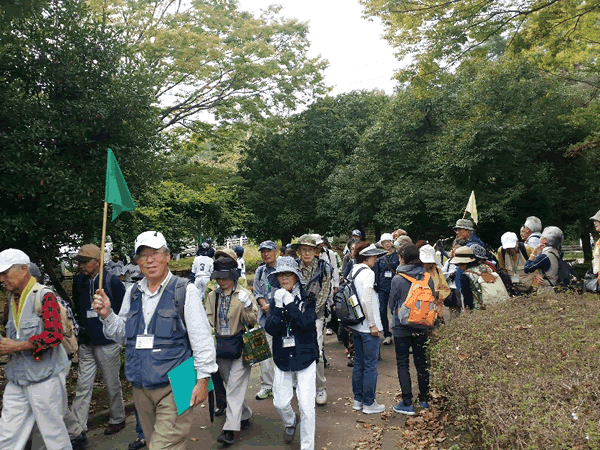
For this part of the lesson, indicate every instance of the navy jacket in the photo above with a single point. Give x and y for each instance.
(300, 316)
(383, 283)
(90, 331)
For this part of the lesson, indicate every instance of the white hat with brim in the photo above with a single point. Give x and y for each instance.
(152, 239)
(509, 240)
(386, 237)
(463, 255)
(285, 264)
(427, 255)
(596, 216)
(318, 239)
(371, 250)
(12, 256)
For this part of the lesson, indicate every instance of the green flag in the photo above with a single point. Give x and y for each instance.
(117, 192)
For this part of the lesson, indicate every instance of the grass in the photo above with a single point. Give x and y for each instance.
(524, 374)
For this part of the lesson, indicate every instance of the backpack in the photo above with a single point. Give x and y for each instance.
(489, 287)
(418, 309)
(566, 274)
(67, 319)
(347, 305)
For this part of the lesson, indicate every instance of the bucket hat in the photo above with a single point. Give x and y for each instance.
(596, 216)
(305, 239)
(427, 255)
(465, 224)
(463, 255)
(285, 264)
(479, 252)
(402, 241)
(225, 267)
(386, 237)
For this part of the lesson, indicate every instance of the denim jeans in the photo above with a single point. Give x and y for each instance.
(364, 373)
(419, 343)
(383, 312)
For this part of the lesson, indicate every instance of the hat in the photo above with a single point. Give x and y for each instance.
(318, 239)
(509, 240)
(596, 216)
(463, 255)
(285, 264)
(427, 255)
(356, 233)
(87, 252)
(34, 270)
(402, 241)
(12, 256)
(267, 245)
(386, 237)
(478, 251)
(465, 224)
(152, 239)
(225, 267)
(371, 250)
(239, 251)
(305, 239)
(226, 253)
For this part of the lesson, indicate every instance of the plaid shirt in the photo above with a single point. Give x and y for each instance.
(320, 288)
(53, 329)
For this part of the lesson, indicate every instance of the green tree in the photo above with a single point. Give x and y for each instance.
(67, 96)
(209, 56)
(284, 171)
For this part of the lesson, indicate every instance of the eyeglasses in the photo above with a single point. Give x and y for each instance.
(286, 274)
(144, 257)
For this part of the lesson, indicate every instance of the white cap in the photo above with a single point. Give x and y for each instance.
(386, 237)
(509, 240)
(152, 239)
(12, 256)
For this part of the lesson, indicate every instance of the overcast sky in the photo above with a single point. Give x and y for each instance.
(358, 56)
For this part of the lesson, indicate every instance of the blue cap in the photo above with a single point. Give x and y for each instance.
(267, 245)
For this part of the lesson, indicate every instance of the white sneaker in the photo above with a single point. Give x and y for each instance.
(373, 409)
(264, 393)
(329, 332)
(321, 398)
(358, 406)
(387, 340)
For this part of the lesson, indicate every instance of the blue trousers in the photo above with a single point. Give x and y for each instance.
(364, 373)
(138, 426)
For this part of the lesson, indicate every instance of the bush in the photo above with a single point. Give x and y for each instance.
(523, 374)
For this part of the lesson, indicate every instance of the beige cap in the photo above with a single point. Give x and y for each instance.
(463, 255)
(596, 216)
(88, 251)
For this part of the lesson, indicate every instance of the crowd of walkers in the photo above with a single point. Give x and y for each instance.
(163, 320)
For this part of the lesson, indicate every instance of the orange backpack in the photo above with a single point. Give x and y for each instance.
(418, 310)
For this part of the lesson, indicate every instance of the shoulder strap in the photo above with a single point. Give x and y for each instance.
(523, 251)
(180, 291)
(352, 278)
(388, 264)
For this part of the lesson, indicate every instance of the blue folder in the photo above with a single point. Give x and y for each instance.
(183, 379)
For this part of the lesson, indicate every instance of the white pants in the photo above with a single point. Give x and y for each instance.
(108, 359)
(320, 324)
(235, 377)
(266, 368)
(44, 404)
(283, 392)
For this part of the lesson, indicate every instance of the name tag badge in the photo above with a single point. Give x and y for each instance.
(91, 314)
(515, 278)
(388, 274)
(144, 342)
(289, 341)
(225, 331)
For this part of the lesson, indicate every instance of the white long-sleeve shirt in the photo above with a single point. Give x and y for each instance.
(198, 328)
(369, 299)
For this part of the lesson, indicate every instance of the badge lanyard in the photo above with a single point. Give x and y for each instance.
(224, 315)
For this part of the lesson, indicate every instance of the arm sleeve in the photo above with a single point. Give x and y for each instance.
(199, 333)
(259, 286)
(275, 324)
(541, 262)
(52, 335)
(114, 325)
(367, 296)
(305, 320)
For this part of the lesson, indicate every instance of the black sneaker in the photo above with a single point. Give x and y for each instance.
(220, 410)
(114, 428)
(289, 432)
(226, 437)
(80, 442)
(245, 424)
(137, 444)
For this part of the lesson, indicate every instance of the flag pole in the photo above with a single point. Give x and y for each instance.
(102, 245)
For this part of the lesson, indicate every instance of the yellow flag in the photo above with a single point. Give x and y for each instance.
(472, 207)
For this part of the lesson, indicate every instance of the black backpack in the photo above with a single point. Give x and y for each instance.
(566, 274)
(346, 302)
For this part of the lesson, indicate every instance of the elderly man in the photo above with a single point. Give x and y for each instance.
(36, 390)
(318, 275)
(162, 323)
(531, 231)
(262, 293)
(95, 350)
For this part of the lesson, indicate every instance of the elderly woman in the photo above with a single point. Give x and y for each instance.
(291, 321)
(229, 308)
(385, 269)
(434, 267)
(366, 333)
(546, 257)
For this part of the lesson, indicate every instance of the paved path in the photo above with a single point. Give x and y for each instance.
(338, 426)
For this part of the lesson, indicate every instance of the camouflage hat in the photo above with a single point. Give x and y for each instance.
(465, 224)
(402, 241)
(305, 239)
